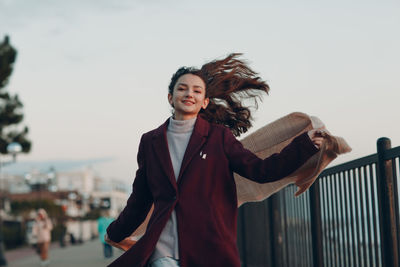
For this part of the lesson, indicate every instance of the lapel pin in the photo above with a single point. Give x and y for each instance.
(204, 156)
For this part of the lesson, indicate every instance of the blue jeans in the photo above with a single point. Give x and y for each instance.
(165, 262)
(107, 250)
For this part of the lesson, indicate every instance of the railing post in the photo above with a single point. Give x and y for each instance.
(386, 202)
(275, 231)
(316, 224)
(241, 237)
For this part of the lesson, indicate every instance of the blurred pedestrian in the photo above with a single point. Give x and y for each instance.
(102, 223)
(42, 230)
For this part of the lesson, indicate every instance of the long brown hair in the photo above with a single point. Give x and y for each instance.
(228, 81)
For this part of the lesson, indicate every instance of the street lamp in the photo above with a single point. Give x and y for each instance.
(13, 149)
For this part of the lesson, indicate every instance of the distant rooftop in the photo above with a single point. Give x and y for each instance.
(22, 167)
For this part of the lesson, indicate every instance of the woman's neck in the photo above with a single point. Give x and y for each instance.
(182, 117)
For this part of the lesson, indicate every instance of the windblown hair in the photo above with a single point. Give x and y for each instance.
(229, 82)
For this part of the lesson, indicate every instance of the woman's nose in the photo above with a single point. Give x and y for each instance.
(189, 93)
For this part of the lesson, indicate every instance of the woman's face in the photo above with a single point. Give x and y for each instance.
(188, 97)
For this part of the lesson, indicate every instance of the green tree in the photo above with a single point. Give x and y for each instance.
(10, 106)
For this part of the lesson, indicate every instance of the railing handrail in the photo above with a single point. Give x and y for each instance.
(360, 162)
(392, 153)
(367, 160)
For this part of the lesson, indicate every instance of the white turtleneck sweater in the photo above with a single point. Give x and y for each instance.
(178, 135)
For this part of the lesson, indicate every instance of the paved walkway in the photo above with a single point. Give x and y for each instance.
(88, 254)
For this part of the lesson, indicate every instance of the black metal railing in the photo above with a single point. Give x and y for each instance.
(349, 217)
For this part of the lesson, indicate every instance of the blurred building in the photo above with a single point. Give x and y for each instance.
(82, 181)
(78, 191)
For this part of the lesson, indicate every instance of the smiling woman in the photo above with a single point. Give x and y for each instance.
(186, 170)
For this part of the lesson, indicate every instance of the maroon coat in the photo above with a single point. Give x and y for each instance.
(204, 196)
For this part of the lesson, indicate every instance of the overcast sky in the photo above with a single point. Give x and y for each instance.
(93, 75)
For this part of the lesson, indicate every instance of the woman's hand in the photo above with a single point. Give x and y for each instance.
(125, 244)
(317, 136)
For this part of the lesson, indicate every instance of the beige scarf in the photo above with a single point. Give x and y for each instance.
(273, 138)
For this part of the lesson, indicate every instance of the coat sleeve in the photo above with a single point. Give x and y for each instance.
(277, 166)
(137, 206)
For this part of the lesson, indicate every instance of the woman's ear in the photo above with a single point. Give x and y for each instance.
(205, 103)
(170, 100)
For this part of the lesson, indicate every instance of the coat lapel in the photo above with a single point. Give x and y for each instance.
(198, 138)
(160, 147)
